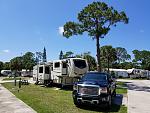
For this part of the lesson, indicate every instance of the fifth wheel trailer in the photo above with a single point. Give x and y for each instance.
(64, 72)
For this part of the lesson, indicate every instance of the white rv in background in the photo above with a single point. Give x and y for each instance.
(64, 72)
(121, 73)
(6, 72)
(148, 77)
(26, 73)
(137, 73)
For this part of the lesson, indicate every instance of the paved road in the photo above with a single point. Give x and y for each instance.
(10, 104)
(138, 96)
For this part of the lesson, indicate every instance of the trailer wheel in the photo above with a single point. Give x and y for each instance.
(49, 84)
(36, 83)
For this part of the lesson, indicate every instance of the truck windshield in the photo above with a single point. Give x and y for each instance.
(94, 77)
(79, 63)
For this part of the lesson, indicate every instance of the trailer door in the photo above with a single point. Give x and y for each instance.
(64, 68)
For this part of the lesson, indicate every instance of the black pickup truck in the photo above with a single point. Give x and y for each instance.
(94, 88)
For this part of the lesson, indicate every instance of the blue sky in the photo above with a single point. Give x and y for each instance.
(29, 25)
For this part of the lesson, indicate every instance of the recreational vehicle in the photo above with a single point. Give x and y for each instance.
(5, 72)
(137, 73)
(148, 77)
(144, 73)
(64, 72)
(121, 73)
(26, 73)
(41, 73)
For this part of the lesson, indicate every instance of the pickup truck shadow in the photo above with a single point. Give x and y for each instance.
(117, 102)
(138, 88)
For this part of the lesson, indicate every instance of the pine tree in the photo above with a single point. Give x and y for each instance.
(44, 55)
(61, 55)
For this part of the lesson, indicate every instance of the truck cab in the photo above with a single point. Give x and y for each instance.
(94, 88)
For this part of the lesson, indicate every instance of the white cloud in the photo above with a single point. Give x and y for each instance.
(61, 30)
(6, 51)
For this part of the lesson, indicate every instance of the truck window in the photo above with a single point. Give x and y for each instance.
(47, 70)
(57, 65)
(40, 69)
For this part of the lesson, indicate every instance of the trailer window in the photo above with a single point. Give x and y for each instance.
(57, 65)
(80, 63)
(40, 69)
(47, 70)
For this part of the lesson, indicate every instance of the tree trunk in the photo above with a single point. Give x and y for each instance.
(108, 65)
(98, 54)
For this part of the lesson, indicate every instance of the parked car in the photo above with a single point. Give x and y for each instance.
(94, 88)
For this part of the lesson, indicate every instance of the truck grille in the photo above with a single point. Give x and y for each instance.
(88, 90)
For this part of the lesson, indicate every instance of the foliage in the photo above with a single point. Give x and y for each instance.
(44, 55)
(16, 64)
(123, 65)
(108, 55)
(1, 66)
(6, 66)
(78, 56)
(68, 54)
(142, 58)
(28, 61)
(39, 57)
(61, 55)
(96, 19)
(91, 61)
(122, 54)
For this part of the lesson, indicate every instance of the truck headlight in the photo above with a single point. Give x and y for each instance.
(75, 87)
(103, 90)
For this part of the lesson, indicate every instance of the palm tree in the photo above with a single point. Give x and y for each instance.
(91, 61)
(108, 54)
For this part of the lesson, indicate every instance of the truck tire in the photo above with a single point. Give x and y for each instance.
(77, 104)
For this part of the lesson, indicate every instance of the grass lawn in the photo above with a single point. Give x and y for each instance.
(49, 100)
(121, 88)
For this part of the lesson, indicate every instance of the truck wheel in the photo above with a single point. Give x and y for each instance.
(76, 103)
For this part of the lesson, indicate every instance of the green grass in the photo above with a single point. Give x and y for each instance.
(121, 88)
(49, 100)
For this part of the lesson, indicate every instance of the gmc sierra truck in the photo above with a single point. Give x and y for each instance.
(94, 88)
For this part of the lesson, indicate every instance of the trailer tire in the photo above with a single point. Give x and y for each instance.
(36, 83)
